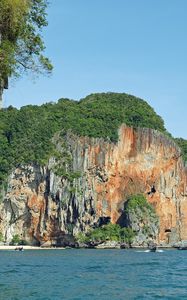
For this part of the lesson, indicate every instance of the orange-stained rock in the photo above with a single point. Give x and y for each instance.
(42, 206)
(141, 160)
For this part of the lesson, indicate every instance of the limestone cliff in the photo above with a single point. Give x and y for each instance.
(42, 205)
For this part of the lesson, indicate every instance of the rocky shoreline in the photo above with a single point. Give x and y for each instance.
(101, 247)
(110, 244)
(29, 248)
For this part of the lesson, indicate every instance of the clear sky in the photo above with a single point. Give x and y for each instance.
(133, 46)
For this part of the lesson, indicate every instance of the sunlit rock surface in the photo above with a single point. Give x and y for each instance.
(41, 207)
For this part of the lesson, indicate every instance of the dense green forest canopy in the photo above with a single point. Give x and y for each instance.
(25, 134)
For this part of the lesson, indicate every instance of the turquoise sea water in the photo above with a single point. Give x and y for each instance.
(93, 274)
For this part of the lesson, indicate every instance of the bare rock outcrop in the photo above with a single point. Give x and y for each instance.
(42, 205)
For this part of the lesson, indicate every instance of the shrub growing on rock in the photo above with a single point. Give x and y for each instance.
(141, 217)
(137, 201)
(109, 232)
(15, 239)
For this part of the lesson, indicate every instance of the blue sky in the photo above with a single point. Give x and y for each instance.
(133, 46)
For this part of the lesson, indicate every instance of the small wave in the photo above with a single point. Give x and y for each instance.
(146, 251)
(10, 271)
(94, 268)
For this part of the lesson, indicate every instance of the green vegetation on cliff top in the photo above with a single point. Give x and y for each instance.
(25, 134)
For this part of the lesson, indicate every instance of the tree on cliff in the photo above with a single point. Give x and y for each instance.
(183, 145)
(21, 45)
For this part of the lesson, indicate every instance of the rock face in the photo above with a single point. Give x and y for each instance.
(41, 206)
(144, 221)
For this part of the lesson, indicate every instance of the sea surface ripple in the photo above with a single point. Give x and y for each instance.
(92, 275)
